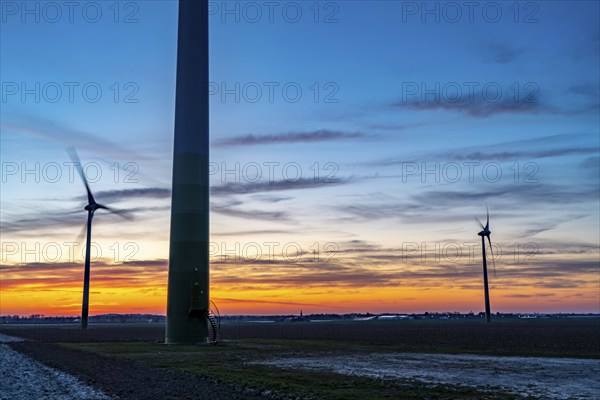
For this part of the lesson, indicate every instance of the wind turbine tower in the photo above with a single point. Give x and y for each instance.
(188, 297)
(485, 232)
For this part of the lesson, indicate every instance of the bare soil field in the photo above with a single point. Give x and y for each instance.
(331, 360)
(550, 337)
(552, 378)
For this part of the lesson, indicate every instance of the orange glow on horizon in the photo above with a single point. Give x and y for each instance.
(268, 289)
(25, 297)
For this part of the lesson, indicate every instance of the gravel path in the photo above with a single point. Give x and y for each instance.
(22, 378)
(548, 378)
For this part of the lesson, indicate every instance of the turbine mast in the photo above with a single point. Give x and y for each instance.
(188, 297)
(85, 304)
(488, 316)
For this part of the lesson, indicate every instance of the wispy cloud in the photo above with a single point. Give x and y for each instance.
(39, 222)
(591, 163)
(269, 198)
(530, 296)
(126, 194)
(253, 233)
(231, 188)
(321, 135)
(478, 107)
(357, 265)
(434, 206)
(549, 225)
(233, 211)
(247, 301)
(589, 91)
(525, 194)
(63, 134)
(519, 155)
(501, 53)
(503, 151)
(390, 268)
(42, 276)
(42, 220)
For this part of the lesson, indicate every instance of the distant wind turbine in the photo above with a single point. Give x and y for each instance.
(91, 208)
(485, 232)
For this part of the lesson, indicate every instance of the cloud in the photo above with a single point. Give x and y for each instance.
(253, 233)
(43, 276)
(43, 221)
(482, 103)
(126, 194)
(434, 206)
(590, 91)
(477, 107)
(231, 208)
(501, 53)
(524, 194)
(591, 163)
(589, 47)
(297, 275)
(232, 188)
(519, 155)
(594, 39)
(546, 269)
(539, 229)
(230, 211)
(287, 303)
(40, 221)
(503, 151)
(321, 135)
(551, 247)
(530, 296)
(550, 225)
(271, 198)
(61, 133)
(146, 263)
(34, 268)
(359, 264)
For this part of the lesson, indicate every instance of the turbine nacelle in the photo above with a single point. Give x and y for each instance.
(485, 232)
(95, 206)
(91, 207)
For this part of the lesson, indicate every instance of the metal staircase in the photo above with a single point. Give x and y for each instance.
(214, 319)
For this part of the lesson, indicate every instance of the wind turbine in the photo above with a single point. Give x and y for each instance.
(485, 232)
(91, 208)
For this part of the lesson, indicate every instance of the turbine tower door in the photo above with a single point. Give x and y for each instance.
(196, 310)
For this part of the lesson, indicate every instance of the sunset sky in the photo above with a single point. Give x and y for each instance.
(352, 144)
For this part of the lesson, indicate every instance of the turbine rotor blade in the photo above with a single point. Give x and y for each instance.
(121, 213)
(81, 235)
(492, 252)
(75, 158)
(487, 223)
(479, 222)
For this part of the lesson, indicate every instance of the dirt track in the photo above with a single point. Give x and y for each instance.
(118, 378)
(23, 378)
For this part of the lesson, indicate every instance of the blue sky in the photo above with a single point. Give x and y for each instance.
(370, 127)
